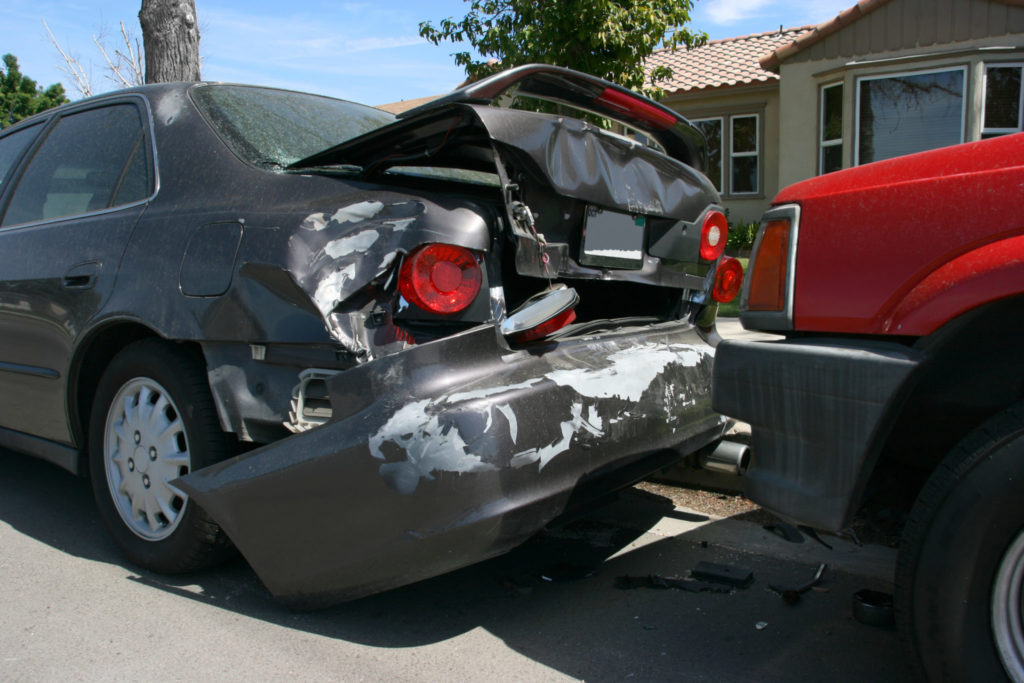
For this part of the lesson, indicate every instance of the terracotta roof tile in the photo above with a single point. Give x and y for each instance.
(730, 61)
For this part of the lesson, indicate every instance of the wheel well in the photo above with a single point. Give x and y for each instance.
(972, 371)
(91, 360)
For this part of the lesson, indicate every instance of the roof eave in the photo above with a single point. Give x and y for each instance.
(773, 60)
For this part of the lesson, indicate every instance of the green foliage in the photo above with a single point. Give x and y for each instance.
(19, 95)
(606, 38)
(741, 237)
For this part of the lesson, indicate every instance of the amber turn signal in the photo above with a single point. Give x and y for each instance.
(770, 264)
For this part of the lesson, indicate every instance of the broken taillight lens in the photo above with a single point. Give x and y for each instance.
(769, 268)
(545, 328)
(713, 235)
(440, 278)
(728, 279)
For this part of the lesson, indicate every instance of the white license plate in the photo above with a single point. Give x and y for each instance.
(613, 240)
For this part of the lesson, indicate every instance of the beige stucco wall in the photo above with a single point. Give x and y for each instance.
(760, 99)
(901, 36)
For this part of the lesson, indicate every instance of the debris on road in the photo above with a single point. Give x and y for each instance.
(731, 575)
(791, 596)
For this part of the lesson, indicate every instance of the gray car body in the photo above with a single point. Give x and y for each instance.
(435, 454)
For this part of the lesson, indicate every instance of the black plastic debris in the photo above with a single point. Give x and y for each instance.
(791, 596)
(655, 581)
(730, 575)
(813, 534)
(785, 531)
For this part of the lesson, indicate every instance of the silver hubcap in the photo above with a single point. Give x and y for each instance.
(145, 448)
(1007, 610)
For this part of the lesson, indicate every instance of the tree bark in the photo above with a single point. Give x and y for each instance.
(170, 36)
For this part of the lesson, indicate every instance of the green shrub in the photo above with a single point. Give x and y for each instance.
(741, 237)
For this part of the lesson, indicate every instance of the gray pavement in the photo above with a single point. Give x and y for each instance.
(73, 609)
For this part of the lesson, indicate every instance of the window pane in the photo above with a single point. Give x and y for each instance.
(275, 127)
(832, 113)
(907, 114)
(79, 166)
(712, 129)
(744, 175)
(11, 147)
(831, 158)
(744, 134)
(1002, 97)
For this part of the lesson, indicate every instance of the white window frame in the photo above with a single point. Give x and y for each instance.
(822, 142)
(721, 147)
(984, 99)
(899, 74)
(734, 154)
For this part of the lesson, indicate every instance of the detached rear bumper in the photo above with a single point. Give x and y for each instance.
(818, 413)
(455, 451)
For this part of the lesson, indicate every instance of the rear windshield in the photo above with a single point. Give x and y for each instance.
(275, 128)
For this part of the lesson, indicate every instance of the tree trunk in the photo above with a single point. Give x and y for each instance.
(170, 36)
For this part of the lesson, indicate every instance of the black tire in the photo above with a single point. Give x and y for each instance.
(968, 515)
(175, 431)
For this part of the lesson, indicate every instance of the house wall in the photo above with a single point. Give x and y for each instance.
(899, 37)
(724, 102)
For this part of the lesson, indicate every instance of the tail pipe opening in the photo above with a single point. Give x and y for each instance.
(729, 457)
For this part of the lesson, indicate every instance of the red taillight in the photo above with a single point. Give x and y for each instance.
(637, 108)
(769, 268)
(713, 235)
(728, 279)
(545, 328)
(440, 278)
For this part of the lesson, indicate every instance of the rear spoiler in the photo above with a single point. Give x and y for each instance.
(678, 136)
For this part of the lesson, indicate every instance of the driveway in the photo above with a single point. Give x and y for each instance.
(548, 611)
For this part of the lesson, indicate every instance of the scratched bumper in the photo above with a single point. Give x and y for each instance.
(455, 451)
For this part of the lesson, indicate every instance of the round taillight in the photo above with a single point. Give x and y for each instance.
(728, 279)
(440, 278)
(713, 235)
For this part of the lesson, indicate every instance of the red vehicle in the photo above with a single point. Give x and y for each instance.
(899, 288)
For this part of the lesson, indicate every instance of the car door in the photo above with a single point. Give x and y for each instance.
(67, 218)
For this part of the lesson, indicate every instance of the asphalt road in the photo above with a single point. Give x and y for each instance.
(73, 609)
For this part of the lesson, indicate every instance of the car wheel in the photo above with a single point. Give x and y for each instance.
(960, 572)
(153, 420)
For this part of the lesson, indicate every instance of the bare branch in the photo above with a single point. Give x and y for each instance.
(74, 67)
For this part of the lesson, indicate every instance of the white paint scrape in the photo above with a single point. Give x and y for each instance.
(355, 213)
(592, 424)
(630, 372)
(326, 296)
(429, 447)
(361, 241)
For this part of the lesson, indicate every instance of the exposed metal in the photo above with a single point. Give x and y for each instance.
(728, 457)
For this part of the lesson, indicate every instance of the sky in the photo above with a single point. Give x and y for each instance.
(369, 52)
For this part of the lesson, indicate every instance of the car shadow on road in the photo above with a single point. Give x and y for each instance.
(553, 600)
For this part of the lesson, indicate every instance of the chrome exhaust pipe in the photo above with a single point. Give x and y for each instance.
(729, 457)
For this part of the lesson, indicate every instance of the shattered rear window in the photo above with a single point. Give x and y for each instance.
(275, 128)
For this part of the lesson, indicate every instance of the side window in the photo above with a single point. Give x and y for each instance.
(90, 161)
(11, 147)
(745, 155)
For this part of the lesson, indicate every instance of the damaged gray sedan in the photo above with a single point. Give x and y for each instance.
(361, 350)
